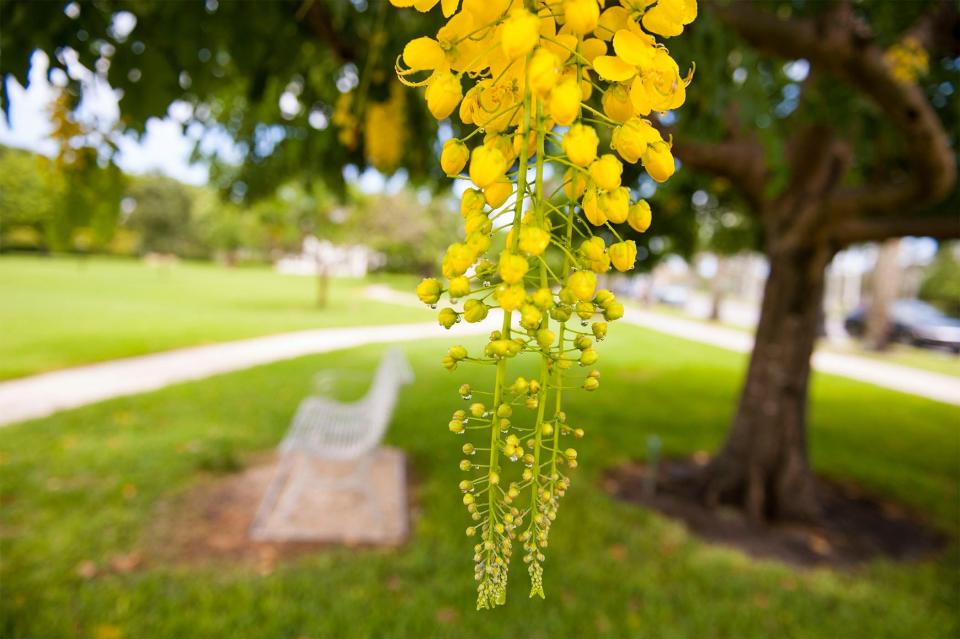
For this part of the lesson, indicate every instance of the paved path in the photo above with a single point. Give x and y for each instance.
(942, 388)
(47, 393)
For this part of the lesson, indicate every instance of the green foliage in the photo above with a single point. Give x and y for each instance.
(941, 283)
(64, 477)
(160, 213)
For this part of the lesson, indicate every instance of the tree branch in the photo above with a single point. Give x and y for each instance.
(742, 161)
(316, 18)
(877, 229)
(840, 44)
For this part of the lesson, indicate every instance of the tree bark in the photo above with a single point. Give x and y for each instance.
(763, 466)
(885, 287)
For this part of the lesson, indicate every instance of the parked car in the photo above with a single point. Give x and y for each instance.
(913, 322)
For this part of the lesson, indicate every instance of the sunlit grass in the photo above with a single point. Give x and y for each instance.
(613, 570)
(58, 312)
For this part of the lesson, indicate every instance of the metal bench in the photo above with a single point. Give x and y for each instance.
(342, 435)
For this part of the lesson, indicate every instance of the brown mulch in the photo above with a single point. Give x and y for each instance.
(854, 528)
(211, 521)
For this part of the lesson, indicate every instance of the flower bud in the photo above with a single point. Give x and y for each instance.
(459, 286)
(447, 317)
(585, 310)
(504, 410)
(465, 465)
(564, 102)
(604, 297)
(581, 16)
(658, 161)
(545, 338)
(582, 284)
(640, 216)
(448, 363)
(623, 255)
(530, 316)
(497, 193)
(616, 103)
(457, 352)
(542, 72)
(519, 34)
(534, 387)
(599, 330)
(589, 357)
(468, 499)
(533, 240)
(574, 183)
(613, 312)
(543, 298)
(454, 157)
(477, 409)
(443, 94)
(512, 267)
(510, 296)
(561, 313)
(455, 426)
(428, 291)
(474, 311)
(471, 202)
(468, 449)
(630, 140)
(580, 144)
(591, 384)
(605, 171)
(487, 165)
(582, 342)
(615, 205)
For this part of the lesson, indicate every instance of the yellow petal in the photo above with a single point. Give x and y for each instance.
(633, 48)
(423, 53)
(611, 21)
(449, 7)
(593, 47)
(613, 69)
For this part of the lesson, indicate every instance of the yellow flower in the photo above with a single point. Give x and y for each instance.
(520, 34)
(613, 69)
(459, 286)
(623, 255)
(564, 103)
(658, 161)
(581, 16)
(591, 48)
(422, 54)
(605, 171)
(512, 267)
(660, 88)
(591, 207)
(574, 183)
(640, 216)
(615, 204)
(497, 193)
(478, 243)
(542, 71)
(616, 103)
(630, 140)
(443, 94)
(428, 291)
(543, 298)
(510, 296)
(454, 156)
(634, 47)
(533, 240)
(582, 284)
(612, 20)
(448, 6)
(487, 165)
(471, 202)
(580, 144)
(668, 17)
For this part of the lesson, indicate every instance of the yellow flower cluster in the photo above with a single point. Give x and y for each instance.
(908, 60)
(385, 131)
(569, 83)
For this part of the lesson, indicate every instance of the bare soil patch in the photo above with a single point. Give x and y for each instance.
(854, 528)
(211, 522)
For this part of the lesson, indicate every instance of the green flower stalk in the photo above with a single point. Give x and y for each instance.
(532, 69)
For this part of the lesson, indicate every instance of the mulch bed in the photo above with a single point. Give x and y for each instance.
(855, 527)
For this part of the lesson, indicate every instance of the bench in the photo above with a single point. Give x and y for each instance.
(339, 436)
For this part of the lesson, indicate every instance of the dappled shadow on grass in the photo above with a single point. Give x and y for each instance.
(855, 528)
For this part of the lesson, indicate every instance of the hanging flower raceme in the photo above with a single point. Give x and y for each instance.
(539, 82)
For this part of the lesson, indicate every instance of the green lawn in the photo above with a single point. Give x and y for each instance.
(58, 312)
(614, 570)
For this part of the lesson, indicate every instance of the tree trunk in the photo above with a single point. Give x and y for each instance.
(763, 466)
(884, 286)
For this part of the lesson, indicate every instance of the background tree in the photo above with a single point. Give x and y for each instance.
(161, 214)
(828, 144)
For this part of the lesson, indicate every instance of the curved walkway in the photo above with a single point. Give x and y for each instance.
(44, 394)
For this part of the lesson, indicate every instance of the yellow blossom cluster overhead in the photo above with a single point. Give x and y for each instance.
(572, 84)
(908, 60)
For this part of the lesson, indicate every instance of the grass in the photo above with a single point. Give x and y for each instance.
(59, 312)
(85, 485)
